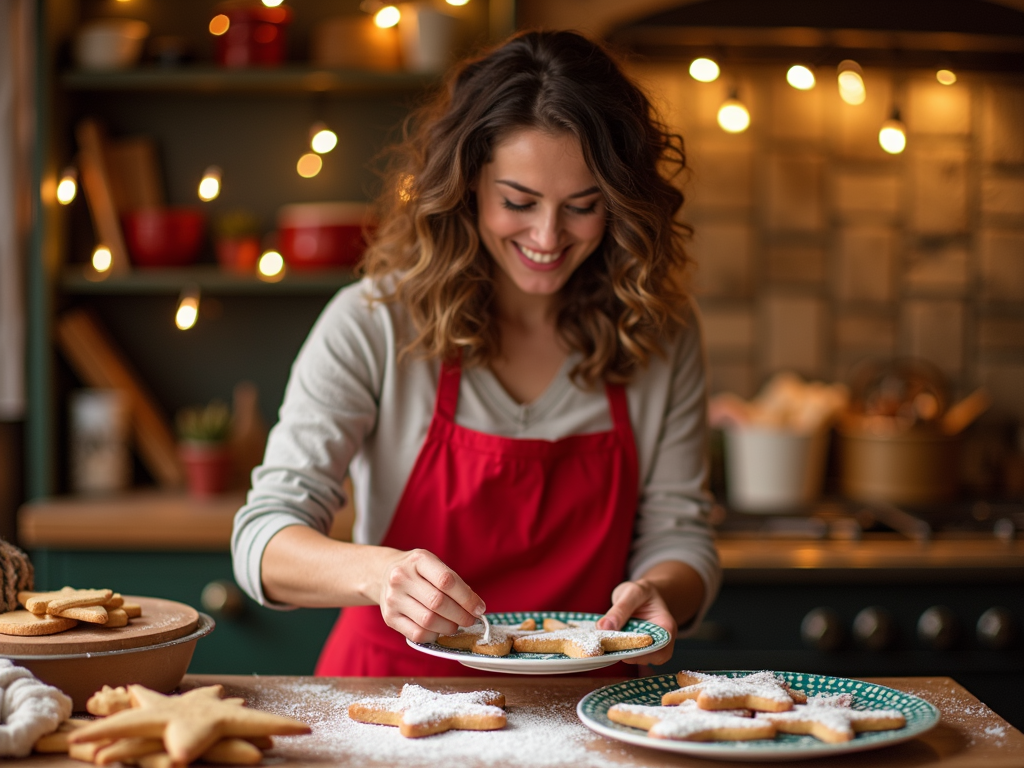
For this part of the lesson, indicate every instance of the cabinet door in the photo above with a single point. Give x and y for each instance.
(255, 641)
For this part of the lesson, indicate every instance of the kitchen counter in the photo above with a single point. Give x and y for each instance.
(158, 520)
(550, 734)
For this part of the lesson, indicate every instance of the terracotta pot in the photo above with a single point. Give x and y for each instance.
(238, 254)
(208, 467)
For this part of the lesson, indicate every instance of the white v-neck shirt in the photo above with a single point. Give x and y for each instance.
(354, 404)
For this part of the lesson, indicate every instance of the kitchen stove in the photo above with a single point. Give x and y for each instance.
(857, 590)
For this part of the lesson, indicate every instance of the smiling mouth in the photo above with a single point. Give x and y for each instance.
(540, 257)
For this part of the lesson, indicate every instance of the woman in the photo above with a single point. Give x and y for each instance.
(516, 387)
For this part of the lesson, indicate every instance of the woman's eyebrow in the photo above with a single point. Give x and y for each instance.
(535, 193)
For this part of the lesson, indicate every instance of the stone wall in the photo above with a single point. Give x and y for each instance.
(817, 250)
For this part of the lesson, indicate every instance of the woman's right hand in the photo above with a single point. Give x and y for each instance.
(422, 598)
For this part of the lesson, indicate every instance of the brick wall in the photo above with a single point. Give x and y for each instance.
(817, 250)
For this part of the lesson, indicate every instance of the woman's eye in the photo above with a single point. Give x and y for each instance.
(589, 209)
(506, 203)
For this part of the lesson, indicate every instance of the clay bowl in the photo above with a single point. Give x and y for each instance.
(154, 650)
(164, 237)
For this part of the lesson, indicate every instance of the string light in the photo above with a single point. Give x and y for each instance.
(893, 135)
(270, 266)
(800, 77)
(309, 165)
(209, 186)
(219, 24)
(67, 187)
(272, 3)
(102, 259)
(946, 76)
(851, 82)
(733, 116)
(387, 17)
(457, 2)
(188, 309)
(322, 139)
(704, 69)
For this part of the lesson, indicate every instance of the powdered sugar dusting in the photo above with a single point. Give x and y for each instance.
(972, 718)
(418, 705)
(536, 736)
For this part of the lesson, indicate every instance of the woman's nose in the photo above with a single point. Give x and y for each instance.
(546, 231)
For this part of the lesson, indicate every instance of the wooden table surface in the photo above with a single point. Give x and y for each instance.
(549, 733)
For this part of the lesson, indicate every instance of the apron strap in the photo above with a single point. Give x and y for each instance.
(448, 389)
(619, 408)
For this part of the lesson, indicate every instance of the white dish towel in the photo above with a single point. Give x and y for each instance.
(28, 709)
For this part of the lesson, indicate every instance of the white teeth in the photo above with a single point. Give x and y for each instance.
(538, 256)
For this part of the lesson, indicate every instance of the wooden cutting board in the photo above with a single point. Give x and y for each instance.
(161, 620)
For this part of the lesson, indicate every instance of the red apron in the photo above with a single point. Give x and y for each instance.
(530, 525)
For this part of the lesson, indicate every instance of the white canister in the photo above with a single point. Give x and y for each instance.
(427, 37)
(99, 427)
(769, 470)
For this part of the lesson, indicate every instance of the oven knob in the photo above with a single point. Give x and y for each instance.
(937, 628)
(996, 629)
(822, 630)
(873, 628)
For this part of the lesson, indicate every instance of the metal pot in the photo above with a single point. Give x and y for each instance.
(919, 466)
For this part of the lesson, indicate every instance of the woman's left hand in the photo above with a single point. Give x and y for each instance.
(640, 599)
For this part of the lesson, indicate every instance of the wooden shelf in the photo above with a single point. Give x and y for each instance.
(286, 79)
(83, 280)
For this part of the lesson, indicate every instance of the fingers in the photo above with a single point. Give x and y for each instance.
(423, 598)
(626, 600)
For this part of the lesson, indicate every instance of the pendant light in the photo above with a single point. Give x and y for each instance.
(851, 82)
(733, 116)
(892, 137)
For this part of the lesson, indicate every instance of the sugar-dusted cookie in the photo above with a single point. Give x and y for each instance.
(580, 640)
(93, 614)
(761, 691)
(418, 711)
(28, 624)
(832, 720)
(188, 724)
(688, 722)
(474, 638)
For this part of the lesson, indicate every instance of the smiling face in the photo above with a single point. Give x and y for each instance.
(539, 211)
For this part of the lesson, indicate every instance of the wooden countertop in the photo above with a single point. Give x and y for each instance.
(158, 520)
(969, 734)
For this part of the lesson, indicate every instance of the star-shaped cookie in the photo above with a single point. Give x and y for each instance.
(500, 643)
(188, 724)
(761, 691)
(418, 711)
(833, 721)
(580, 640)
(688, 722)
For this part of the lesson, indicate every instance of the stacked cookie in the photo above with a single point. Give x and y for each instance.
(575, 639)
(145, 728)
(756, 706)
(46, 613)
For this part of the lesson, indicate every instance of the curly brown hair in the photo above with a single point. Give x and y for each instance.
(620, 303)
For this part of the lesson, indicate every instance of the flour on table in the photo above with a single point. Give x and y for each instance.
(538, 735)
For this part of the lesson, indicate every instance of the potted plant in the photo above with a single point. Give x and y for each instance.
(203, 447)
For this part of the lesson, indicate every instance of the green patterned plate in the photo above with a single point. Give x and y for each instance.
(546, 663)
(921, 717)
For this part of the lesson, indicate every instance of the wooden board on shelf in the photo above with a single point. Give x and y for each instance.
(99, 363)
(99, 193)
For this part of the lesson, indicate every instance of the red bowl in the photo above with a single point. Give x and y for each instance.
(164, 237)
(323, 235)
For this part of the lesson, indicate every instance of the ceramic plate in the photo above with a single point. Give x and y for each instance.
(921, 717)
(545, 663)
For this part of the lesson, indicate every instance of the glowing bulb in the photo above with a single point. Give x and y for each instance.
(457, 2)
(270, 267)
(946, 76)
(800, 77)
(209, 186)
(323, 139)
(272, 3)
(102, 259)
(67, 188)
(188, 311)
(705, 70)
(733, 116)
(309, 165)
(893, 136)
(387, 16)
(851, 83)
(219, 24)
